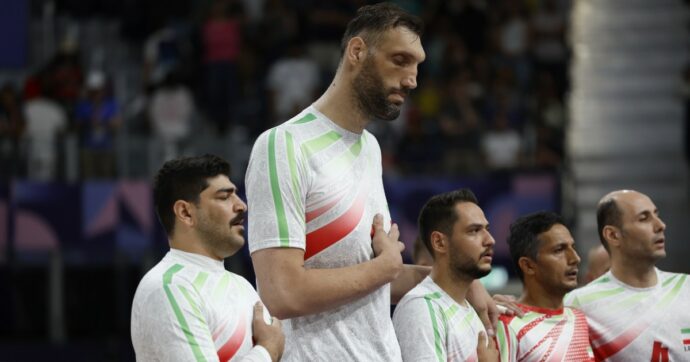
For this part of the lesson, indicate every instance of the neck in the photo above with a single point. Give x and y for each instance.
(190, 244)
(339, 105)
(635, 273)
(456, 287)
(535, 295)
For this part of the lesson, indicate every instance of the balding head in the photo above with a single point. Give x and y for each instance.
(610, 213)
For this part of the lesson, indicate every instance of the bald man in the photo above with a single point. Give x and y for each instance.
(598, 263)
(635, 311)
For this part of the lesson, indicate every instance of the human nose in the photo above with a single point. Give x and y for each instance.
(410, 81)
(240, 205)
(489, 240)
(574, 257)
(660, 225)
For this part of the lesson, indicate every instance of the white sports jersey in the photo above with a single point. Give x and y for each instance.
(316, 186)
(544, 335)
(189, 308)
(432, 326)
(637, 324)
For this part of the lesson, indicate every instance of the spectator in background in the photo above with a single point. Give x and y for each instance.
(292, 82)
(64, 75)
(97, 118)
(45, 120)
(170, 111)
(548, 26)
(501, 145)
(11, 129)
(460, 127)
(222, 42)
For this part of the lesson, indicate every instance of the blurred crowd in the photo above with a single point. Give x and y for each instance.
(490, 96)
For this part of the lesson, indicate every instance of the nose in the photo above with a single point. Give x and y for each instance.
(574, 257)
(410, 82)
(240, 206)
(660, 225)
(489, 240)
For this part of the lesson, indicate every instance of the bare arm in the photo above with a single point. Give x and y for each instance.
(408, 279)
(290, 290)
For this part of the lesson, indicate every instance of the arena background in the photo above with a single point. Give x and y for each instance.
(534, 105)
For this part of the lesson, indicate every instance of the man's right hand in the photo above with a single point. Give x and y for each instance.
(387, 246)
(269, 336)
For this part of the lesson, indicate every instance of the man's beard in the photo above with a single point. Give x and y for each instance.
(370, 94)
(464, 267)
(219, 240)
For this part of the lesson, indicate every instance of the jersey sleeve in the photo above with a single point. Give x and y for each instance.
(421, 331)
(276, 192)
(571, 300)
(169, 325)
(506, 341)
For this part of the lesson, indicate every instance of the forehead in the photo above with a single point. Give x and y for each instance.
(633, 203)
(402, 40)
(469, 213)
(557, 234)
(217, 183)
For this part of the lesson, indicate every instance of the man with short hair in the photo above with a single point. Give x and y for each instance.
(188, 307)
(314, 186)
(543, 252)
(635, 311)
(434, 321)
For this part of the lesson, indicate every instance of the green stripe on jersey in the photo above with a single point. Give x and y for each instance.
(306, 119)
(167, 279)
(200, 280)
(668, 281)
(598, 295)
(685, 330)
(673, 292)
(343, 162)
(275, 190)
(221, 286)
(437, 334)
(296, 191)
(320, 143)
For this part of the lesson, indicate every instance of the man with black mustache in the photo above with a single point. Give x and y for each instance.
(635, 311)
(545, 259)
(188, 307)
(434, 321)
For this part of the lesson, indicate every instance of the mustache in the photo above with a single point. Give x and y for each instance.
(238, 219)
(488, 251)
(402, 91)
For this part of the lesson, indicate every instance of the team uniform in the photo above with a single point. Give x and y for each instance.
(544, 335)
(315, 186)
(432, 326)
(189, 308)
(636, 324)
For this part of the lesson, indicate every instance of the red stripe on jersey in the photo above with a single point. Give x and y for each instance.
(322, 238)
(686, 341)
(230, 348)
(608, 349)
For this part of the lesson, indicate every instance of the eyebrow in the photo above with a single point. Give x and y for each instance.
(409, 55)
(470, 226)
(229, 190)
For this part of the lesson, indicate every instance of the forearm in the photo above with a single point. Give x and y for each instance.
(290, 292)
(408, 279)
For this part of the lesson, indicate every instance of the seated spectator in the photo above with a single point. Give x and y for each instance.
(97, 118)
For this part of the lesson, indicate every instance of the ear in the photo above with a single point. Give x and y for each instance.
(356, 50)
(439, 242)
(527, 265)
(612, 235)
(184, 212)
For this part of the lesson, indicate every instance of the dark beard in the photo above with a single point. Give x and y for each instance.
(464, 267)
(370, 94)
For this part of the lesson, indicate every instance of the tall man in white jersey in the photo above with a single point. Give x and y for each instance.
(545, 259)
(635, 311)
(314, 186)
(433, 321)
(188, 307)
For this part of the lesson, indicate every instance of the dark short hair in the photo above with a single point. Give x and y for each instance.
(183, 179)
(372, 20)
(608, 213)
(438, 214)
(524, 235)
